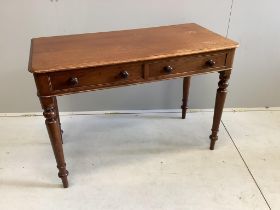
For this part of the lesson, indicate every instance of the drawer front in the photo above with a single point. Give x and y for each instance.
(191, 64)
(98, 76)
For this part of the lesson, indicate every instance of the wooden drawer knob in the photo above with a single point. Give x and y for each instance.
(210, 63)
(73, 81)
(124, 74)
(168, 69)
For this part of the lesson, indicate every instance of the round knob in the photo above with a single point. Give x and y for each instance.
(73, 81)
(168, 69)
(124, 74)
(210, 63)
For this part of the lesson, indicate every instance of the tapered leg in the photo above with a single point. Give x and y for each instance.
(186, 87)
(219, 105)
(53, 127)
(58, 118)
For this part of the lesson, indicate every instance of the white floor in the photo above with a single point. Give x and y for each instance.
(152, 161)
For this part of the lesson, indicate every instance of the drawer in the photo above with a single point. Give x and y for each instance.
(191, 64)
(97, 76)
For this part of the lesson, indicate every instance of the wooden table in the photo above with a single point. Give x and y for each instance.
(86, 62)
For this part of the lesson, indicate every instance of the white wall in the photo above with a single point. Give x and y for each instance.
(255, 77)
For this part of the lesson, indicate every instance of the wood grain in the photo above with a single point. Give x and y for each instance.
(105, 48)
(186, 63)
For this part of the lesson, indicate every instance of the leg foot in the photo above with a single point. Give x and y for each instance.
(213, 141)
(65, 182)
(184, 112)
(186, 87)
(64, 179)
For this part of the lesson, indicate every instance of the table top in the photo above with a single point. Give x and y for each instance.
(49, 54)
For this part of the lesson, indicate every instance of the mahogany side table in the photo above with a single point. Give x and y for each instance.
(86, 62)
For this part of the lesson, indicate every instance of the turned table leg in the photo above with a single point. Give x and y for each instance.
(53, 127)
(219, 105)
(186, 87)
(58, 118)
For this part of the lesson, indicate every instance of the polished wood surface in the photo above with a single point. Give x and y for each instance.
(219, 105)
(98, 49)
(79, 63)
(184, 64)
(101, 77)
